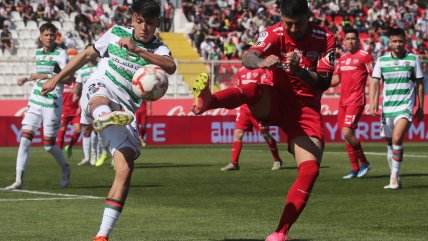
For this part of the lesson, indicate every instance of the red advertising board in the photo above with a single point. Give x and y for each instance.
(197, 130)
(172, 107)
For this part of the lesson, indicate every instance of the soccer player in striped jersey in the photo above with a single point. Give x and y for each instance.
(402, 79)
(82, 76)
(46, 109)
(107, 96)
(351, 72)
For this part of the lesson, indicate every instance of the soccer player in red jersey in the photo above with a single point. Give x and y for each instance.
(245, 120)
(352, 70)
(70, 115)
(300, 56)
(141, 114)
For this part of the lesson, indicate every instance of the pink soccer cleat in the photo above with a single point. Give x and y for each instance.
(202, 93)
(276, 237)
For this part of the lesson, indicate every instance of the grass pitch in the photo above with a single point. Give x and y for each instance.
(179, 194)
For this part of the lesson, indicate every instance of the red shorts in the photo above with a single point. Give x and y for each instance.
(349, 116)
(246, 121)
(295, 118)
(69, 119)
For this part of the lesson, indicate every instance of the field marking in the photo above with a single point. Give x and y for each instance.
(378, 154)
(59, 196)
(422, 155)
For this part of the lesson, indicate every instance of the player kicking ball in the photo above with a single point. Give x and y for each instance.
(107, 96)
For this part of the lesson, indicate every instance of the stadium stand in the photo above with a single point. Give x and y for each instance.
(221, 27)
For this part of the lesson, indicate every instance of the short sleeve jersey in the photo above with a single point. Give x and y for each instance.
(317, 52)
(122, 64)
(398, 77)
(353, 70)
(69, 108)
(82, 75)
(48, 63)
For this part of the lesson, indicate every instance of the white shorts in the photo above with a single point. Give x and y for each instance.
(99, 86)
(389, 123)
(36, 115)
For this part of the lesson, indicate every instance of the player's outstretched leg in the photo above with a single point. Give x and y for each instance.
(202, 93)
(117, 118)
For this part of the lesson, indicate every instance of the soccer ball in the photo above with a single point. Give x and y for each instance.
(150, 82)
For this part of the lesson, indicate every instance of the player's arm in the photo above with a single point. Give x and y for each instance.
(149, 108)
(253, 60)
(420, 94)
(335, 80)
(75, 63)
(374, 96)
(165, 62)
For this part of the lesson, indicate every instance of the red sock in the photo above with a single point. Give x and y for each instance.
(74, 138)
(298, 194)
(236, 151)
(274, 150)
(234, 97)
(352, 157)
(60, 138)
(359, 153)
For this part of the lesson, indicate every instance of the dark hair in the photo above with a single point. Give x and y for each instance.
(246, 47)
(397, 32)
(48, 26)
(351, 30)
(293, 8)
(146, 8)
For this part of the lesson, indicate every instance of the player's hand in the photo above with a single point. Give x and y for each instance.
(22, 81)
(269, 62)
(373, 109)
(293, 61)
(49, 85)
(419, 115)
(128, 44)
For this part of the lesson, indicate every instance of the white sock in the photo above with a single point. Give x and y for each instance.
(396, 165)
(110, 218)
(94, 144)
(56, 152)
(22, 159)
(86, 145)
(100, 110)
(389, 156)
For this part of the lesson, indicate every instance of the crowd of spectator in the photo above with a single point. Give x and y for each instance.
(225, 26)
(90, 18)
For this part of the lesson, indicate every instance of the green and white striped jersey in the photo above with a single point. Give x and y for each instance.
(82, 75)
(122, 64)
(398, 77)
(48, 63)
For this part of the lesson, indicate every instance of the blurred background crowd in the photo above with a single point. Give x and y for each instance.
(221, 27)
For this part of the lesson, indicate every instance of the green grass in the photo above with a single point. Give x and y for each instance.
(179, 193)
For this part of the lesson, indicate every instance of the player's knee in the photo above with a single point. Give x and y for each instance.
(27, 135)
(309, 170)
(96, 101)
(48, 144)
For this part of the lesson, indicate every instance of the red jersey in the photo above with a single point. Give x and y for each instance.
(353, 70)
(68, 107)
(317, 52)
(259, 76)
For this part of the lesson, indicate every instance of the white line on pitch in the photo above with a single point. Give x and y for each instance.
(42, 199)
(377, 154)
(65, 196)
